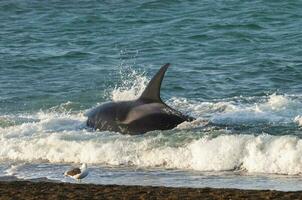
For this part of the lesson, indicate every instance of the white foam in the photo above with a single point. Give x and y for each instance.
(193, 124)
(260, 154)
(277, 102)
(268, 109)
(54, 136)
(298, 120)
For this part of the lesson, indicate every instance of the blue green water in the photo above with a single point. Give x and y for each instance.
(235, 63)
(57, 51)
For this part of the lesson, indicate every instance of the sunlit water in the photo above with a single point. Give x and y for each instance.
(236, 65)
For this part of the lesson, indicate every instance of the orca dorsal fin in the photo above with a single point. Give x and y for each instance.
(152, 91)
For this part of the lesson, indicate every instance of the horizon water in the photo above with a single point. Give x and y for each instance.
(235, 64)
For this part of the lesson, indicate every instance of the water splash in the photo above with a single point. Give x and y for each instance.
(131, 88)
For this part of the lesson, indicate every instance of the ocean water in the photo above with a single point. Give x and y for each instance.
(236, 64)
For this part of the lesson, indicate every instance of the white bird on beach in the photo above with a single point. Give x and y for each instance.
(78, 173)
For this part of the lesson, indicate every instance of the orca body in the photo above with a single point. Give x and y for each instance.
(145, 114)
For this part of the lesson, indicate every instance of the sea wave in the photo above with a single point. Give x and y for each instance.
(46, 141)
(59, 135)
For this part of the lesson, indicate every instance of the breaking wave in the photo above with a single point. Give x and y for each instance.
(54, 140)
(58, 136)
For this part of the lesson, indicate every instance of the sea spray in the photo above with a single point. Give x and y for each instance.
(131, 88)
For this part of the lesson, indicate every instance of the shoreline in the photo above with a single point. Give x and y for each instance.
(42, 189)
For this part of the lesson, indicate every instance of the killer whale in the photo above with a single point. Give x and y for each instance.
(147, 113)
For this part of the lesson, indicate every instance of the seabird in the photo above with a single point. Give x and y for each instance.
(78, 173)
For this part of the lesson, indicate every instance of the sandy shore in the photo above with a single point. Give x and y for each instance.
(52, 190)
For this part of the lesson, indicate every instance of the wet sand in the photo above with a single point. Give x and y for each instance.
(53, 190)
